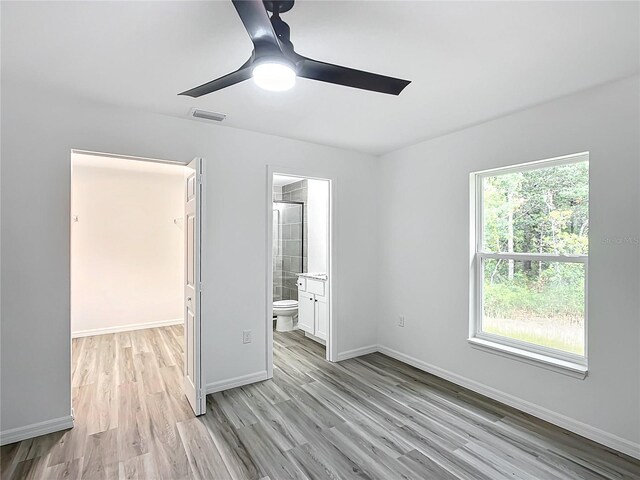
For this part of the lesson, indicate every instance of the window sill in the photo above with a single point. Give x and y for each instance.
(561, 366)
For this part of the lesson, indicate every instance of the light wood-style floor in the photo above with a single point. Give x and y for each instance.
(370, 417)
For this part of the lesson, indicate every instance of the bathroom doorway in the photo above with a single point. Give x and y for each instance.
(299, 295)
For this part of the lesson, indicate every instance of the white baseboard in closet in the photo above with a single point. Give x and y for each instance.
(126, 328)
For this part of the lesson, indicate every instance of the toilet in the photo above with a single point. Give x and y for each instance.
(286, 312)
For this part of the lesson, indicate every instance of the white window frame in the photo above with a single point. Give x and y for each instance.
(550, 358)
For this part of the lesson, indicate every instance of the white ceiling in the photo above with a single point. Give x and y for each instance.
(131, 165)
(469, 61)
(282, 180)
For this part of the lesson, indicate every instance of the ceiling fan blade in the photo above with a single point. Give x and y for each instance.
(256, 21)
(327, 72)
(240, 75)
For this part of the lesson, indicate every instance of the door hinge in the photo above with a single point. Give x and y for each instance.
(200, 286)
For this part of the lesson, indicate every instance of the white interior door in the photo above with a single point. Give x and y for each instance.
(192, 287)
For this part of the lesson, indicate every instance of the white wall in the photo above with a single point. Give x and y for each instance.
(417, 200)
(424, 257)
(127, 254)
(35, 193)
(318, 223)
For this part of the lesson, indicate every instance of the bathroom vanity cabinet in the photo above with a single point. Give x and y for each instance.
(313, 311)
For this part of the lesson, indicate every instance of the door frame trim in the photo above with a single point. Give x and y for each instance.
(183, 163)
(332, 336)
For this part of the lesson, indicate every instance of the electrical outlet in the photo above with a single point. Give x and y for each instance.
(401, 321)
(246, 336)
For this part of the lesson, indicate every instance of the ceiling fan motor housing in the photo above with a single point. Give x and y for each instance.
(278, 6)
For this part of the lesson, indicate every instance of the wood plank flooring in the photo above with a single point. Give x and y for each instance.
(365, 418)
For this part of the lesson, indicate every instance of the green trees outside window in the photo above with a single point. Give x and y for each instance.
(532, 254)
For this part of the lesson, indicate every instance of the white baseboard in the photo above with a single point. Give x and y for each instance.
(35, 430)
(126, 328)
(357, 352)
(597, 435)
(236, 382)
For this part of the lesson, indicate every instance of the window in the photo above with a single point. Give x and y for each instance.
(530, 260)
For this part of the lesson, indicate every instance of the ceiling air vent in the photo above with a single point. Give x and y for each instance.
(205, 115)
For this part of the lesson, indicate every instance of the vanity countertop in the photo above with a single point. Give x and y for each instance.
(315, 276)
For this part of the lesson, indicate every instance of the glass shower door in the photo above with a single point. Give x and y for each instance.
(288, 248)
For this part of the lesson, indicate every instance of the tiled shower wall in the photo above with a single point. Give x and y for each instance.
(289, 240)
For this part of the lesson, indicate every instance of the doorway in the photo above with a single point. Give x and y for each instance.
(135, 247)
(300, 283)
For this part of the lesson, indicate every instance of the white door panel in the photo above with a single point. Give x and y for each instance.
(306, 312)
(321, 317)
(193, 387)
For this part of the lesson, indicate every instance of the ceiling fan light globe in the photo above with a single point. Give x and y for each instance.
(274, 76)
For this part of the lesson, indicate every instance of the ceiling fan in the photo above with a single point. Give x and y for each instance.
(274, 65)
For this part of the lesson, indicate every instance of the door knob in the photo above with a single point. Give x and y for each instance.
(188, 299)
